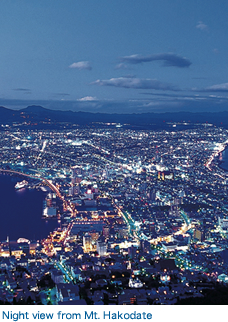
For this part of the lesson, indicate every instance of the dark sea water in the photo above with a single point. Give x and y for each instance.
(21, 211)
(224, 163)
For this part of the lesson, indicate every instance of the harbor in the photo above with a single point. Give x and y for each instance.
(22, 211)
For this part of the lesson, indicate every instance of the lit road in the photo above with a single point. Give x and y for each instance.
(65, 270)
(140, 236)
(221, 148)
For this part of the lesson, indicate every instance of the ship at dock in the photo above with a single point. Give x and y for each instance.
(21, 184)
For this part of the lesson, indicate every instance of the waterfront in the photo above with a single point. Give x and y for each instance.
(224, 164)
(21, 212)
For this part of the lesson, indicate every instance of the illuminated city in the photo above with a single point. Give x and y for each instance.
(141, 215)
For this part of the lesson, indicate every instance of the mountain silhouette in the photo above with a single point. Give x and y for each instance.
(39, 114)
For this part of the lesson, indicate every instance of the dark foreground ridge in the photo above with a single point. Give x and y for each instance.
(39, 114)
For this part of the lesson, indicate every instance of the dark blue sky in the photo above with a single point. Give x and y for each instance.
(114, 56)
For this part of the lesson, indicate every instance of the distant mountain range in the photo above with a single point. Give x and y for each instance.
(38, 114)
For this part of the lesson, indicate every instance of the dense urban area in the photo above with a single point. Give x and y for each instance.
(142, 216)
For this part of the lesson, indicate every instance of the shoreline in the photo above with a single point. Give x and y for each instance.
(221, 167)
(220, 163)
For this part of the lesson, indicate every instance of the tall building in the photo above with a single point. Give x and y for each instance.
(76, 172)
(87, 243)
(152, 195)
(145, 246)
(152, 227)
(133, 251)
(106, 231)
(24, 245)
(71, 191)
(74, 190)
(123, 232)
(73, 180)
(197, 235)
(89, 192)
(101, 247)
(95, 236)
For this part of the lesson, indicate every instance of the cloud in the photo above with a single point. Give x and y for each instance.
(87, 99)
(121, 66)
(202, 26)
(195, 97)
(61, 94)
(81, 65)
(22, 89)
(216, 88)
(168, 59)
(136, 83)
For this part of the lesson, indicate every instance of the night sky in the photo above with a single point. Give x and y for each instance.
(114, 56)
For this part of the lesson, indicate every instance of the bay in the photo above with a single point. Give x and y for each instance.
(224, 164)
(21, 212)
